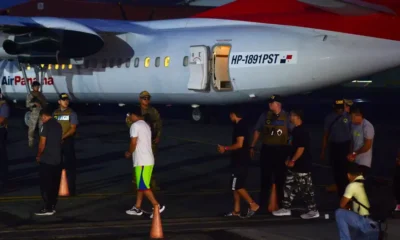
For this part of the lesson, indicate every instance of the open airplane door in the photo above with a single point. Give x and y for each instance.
(198, 67)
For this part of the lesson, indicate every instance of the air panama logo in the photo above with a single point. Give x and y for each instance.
(18, 80)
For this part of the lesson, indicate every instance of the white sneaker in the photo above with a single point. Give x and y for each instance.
(310, 215)
(282, 212)
(134, 211)
(161, 210)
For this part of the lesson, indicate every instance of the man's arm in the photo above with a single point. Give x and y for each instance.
(28, 102)
(132, 145)
(298, 153)
(344, 202)
(42, 140)
(4, 113)
(158, 122)
(347, 196)
(74, 122)
(238, 144)
(258, 128)
(368, 137)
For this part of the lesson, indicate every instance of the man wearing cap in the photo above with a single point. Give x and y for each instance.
(69, 121)
(337, 136)
(274, 127)
(4, 115)
(35, 101)
(152, 116)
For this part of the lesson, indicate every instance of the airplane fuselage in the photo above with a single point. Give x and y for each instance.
(245, 61)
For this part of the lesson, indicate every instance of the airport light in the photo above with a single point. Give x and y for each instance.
(63, 66)
(49, 67)
(56, 66)
(70, 66)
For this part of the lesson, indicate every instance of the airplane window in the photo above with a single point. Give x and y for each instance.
(49, 67)
(136, 62)
(55, 66)
(185, 61)
(104, 64)
(157, 61)
(147, 62)
(70, 66)
(119, 62)
(166, 61)
(63, 66)
(128, 63)
(111, 62)
(94, 63)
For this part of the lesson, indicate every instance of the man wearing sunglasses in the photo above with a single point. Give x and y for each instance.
(152, 116)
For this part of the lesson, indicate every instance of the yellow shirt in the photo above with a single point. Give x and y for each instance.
(356, 190)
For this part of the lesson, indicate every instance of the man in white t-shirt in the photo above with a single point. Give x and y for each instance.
(358, 219)
(143, 160)
(362, 140)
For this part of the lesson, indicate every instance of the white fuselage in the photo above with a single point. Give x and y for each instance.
(118, 73)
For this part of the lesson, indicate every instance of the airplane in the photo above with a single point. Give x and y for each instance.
(241, 52)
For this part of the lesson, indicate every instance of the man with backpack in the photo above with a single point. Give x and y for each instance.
(371, 202)
(359, 218)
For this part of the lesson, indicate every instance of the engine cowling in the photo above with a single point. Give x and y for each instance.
(58, 40)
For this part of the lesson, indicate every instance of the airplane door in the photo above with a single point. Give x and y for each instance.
(198, 67)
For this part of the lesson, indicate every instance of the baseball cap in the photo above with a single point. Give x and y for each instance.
(275, 98)
(63, 96)
(144, 94)
(348, 102)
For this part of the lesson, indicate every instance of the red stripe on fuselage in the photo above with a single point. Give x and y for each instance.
(293, 13)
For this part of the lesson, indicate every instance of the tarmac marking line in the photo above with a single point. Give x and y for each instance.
(143, 223)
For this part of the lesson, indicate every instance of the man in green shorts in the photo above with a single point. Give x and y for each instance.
(143, 160)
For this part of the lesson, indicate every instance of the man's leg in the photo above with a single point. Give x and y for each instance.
(281, 156)
(3, 157)
(137, 209)
(342, 152)
(238, 185)
(45, 180)
(346, 219)
(288, 196)
(396, 187)
(153, 183)
(55, 185)
(306, 187)
(70, 163)
(265, 177)
(33, 118)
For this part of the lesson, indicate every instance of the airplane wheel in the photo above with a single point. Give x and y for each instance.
(197, 115)
(26, 118)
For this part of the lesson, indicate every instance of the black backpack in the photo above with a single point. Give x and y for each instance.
(381, 200)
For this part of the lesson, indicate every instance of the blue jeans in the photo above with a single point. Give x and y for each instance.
(363, 228)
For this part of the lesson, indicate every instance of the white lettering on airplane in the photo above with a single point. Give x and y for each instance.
(254, 59)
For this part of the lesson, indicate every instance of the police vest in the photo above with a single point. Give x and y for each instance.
(275, 129)
(40, 97)
(5, 123)
(63, 117)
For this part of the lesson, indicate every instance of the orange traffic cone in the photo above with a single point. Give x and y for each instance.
(64, 191)
(273, 201)
(156, 227)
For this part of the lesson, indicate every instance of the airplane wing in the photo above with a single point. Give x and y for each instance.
(49, 39)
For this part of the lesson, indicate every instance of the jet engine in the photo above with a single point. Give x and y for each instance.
(56, 42)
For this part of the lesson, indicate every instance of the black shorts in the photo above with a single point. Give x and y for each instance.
(238, 181)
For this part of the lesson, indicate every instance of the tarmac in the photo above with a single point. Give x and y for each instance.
(194, 180)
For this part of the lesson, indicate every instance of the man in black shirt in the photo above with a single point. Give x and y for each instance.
(49, 158)
(239, 163)
(298, 178)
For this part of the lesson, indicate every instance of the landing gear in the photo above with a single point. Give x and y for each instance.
(200, 114)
